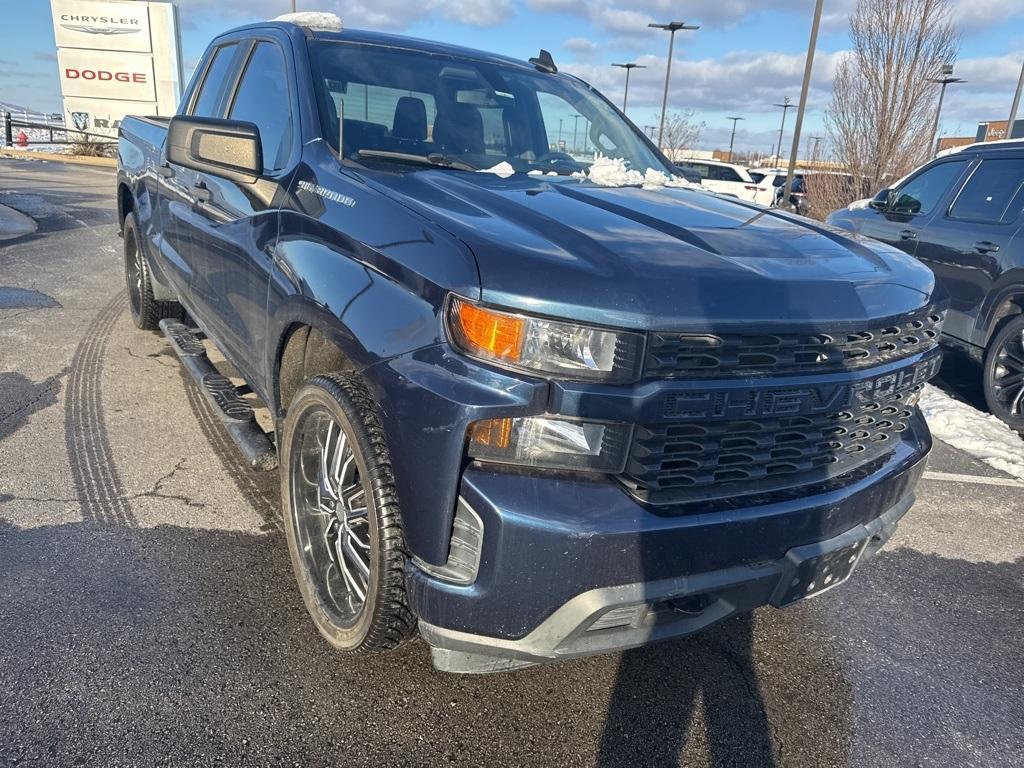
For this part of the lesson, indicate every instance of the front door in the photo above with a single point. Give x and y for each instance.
(232, 227)
(967, 246)
(914, 205)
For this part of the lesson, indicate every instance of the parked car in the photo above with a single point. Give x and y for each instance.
(687, 173)
(961, 215)
(529, 416)
(774, 181)
(728, 179)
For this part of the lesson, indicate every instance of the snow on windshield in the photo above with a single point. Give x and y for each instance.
(613, 172)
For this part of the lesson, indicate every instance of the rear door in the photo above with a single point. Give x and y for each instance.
(232, 227)
(967, 246)
(915, 204)
(176, 199)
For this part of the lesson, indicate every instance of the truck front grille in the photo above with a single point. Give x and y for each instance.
(711, 460)
(711, 355)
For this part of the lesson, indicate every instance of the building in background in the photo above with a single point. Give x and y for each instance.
(993, 130)
(116, 57)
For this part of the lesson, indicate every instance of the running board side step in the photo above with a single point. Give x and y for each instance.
(233, 410)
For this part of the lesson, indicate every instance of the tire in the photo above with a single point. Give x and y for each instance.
(1004, 374)
(332, 425)
(146, 311)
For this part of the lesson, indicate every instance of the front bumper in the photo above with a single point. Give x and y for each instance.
(572, 568)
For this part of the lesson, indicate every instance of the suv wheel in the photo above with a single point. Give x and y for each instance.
(342, 518)
(1004, 374)
(147, 312)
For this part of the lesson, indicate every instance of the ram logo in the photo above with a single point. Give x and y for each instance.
(80, 120)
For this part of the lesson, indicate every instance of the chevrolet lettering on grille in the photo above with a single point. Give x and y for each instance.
(789, 401)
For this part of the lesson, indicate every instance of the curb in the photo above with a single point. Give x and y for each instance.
(15, 224)
(100, 162)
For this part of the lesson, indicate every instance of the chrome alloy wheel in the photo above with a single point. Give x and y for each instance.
(329, 506)
(1008, 376)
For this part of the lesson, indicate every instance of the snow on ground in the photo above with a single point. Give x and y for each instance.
(981, 435)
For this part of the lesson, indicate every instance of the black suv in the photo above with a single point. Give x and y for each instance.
(961, 214)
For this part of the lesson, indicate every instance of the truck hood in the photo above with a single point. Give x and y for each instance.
(660, 259)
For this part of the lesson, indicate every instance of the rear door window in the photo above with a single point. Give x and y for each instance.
(994, 194)
(722, 173)
(208, 98)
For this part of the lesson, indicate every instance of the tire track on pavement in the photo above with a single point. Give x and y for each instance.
(98, 485)
(262, 500)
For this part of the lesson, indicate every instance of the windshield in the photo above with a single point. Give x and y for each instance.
(412, 108)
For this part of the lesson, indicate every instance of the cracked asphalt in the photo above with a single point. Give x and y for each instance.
(148, 614)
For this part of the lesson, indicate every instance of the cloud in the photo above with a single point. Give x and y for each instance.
(581, 46)
(748, 81)
(44, 55)
(376, 14)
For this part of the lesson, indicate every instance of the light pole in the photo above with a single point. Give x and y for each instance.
(786, 106)
(946, 79)
(732, 138)
(804, 88)
(628, 67)
(1016, 103)
(575, 124)
(672, 27)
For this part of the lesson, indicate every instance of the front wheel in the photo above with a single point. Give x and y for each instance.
(1004, 374)
(342, 518)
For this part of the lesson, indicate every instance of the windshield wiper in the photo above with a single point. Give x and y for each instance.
(434, 158)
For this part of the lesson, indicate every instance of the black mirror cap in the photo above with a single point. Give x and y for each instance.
(230, 149)
(881, 201)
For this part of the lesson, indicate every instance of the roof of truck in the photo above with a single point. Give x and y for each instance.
(388, 40)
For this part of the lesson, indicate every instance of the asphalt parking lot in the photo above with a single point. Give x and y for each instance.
(148, 614)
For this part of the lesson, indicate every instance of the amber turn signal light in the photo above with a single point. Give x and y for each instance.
(494, 334)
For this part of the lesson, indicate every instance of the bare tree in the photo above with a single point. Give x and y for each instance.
(883, 105)
(681, 133)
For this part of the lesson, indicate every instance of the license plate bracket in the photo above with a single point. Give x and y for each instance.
(816, 568)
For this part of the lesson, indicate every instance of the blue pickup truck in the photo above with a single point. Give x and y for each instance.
(531, 399)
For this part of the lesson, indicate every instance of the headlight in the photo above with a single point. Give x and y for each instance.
(552, 442)
(538, 345)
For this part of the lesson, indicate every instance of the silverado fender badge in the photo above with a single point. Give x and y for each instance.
(327, 194)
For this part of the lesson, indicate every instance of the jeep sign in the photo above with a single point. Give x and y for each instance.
(116, 57)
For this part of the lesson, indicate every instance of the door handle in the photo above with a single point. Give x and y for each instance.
(201, 192)
(164, 171)
(986, 246)
(908, 234)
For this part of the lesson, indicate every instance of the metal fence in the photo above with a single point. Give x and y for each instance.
(48, 132)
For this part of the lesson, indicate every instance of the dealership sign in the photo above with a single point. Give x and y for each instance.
(116, 57)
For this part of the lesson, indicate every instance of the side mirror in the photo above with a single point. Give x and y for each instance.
(881, 201)
(230, 149)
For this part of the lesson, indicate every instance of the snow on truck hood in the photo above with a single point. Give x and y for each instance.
(659, 256)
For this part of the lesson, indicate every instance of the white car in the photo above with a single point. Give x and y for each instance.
(728, 179)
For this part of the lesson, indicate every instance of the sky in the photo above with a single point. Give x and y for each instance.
(747, 55)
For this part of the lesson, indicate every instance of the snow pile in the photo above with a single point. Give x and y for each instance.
(502, 169)
(983, 436)
(654, 179)
(318, 20)
(613, 172)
